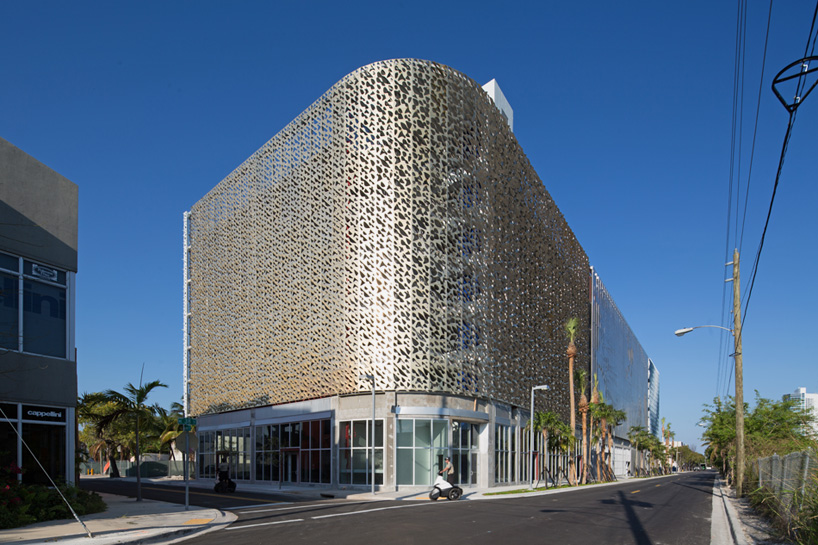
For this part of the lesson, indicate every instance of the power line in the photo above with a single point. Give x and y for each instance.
(755, 127)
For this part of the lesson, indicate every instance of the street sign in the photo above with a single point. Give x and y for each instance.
(187, 423)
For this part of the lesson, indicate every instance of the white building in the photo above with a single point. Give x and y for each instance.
(808, 402)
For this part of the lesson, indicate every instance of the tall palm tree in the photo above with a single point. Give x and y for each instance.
(131, 405)
(581, 377)
(595, 399)
(571, 352)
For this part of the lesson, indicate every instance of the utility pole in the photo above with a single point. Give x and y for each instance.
(739, 376)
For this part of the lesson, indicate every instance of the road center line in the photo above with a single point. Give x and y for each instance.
(635, 491)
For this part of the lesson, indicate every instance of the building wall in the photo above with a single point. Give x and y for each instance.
(653, 400)
(395, 228)
(619, 361)
(39, 210)
(38, 263)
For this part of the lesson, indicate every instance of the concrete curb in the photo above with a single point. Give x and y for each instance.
(732, 518)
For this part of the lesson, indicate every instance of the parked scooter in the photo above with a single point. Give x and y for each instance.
(224, 484)
(444, 488)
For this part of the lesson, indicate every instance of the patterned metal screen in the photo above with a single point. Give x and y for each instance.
(395, 228)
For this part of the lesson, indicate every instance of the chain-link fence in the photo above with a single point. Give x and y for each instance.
(792, 479)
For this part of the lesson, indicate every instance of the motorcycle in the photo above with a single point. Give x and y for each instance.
(444, 488)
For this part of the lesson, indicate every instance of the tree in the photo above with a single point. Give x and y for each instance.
(129, 406)
(571, 352)
(640, 439)
(688, 458)
(771, 427)
(547, 423)
(171, 429)
(101, 441)
(594, 430)
(616, 417)
(581, 377)
(598, 410)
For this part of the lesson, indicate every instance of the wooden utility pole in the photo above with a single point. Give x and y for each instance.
(739, 377)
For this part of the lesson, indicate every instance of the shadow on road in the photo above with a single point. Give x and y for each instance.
(639, 533)
(704, 484)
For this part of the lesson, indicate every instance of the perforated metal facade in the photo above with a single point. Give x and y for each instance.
(395, 228)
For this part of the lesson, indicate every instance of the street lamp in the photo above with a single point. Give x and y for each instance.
(736, 332)
(685, 330)
(371, 378)
(531, 435)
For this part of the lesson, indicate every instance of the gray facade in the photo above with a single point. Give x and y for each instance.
(38, 264)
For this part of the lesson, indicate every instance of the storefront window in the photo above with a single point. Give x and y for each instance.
(43, 430)
(294, 452)
(465, 442)
(421, 447)
(355, 452)
(232, 444)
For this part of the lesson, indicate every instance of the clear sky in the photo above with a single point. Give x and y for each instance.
(625, 110)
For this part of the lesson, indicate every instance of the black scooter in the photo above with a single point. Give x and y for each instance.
(224, 484)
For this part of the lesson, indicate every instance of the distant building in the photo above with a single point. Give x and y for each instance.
(807, 402)
(38, 264)
(654, 421)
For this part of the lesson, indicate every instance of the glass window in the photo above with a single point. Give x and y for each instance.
(359, 432)
(422, 445)
(44, 329)
(406, 433)
(9, 312)
(44, 319)
(48, 444)
(10, 263)
(355, 453)
(423, 433)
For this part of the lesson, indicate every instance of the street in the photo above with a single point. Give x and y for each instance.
(672, 510)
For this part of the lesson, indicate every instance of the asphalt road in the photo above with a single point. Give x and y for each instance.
(674, 510)
(176, 494)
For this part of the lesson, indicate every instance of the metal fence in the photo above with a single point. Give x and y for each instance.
(161, 468)
(791, 479)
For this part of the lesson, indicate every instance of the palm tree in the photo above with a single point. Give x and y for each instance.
(132, 405)
(595, 399)
(637, 435)
(616, 417)
(546, 422)
(581, 377)
(562, 441)
(571, 352)
(597, 434)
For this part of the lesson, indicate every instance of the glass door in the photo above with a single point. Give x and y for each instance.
(289, 466)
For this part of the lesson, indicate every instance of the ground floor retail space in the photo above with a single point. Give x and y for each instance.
(34, 438)
(332, 442)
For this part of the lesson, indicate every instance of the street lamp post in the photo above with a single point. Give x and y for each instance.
(736, 331)
(371, 378)
(531, 435)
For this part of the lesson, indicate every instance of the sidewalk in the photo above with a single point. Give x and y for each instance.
(125, 521)
(148, 521)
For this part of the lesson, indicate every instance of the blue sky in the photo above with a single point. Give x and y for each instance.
(624, 109)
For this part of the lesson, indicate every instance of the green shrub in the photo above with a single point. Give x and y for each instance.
(22, 504)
